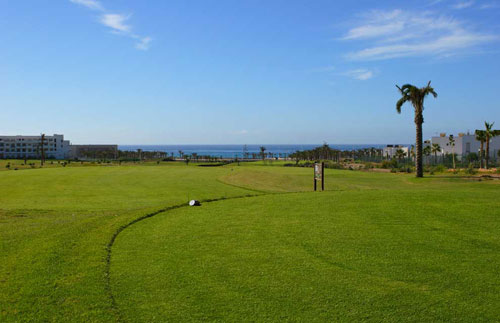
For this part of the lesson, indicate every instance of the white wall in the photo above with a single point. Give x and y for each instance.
(465, 145)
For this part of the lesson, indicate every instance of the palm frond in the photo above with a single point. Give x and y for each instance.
(400, 102)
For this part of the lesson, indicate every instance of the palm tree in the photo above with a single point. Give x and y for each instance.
(416, 96)
(435, 150)
(427, 153)
(400, 154)
(481, 137)
(263, 152)
(411, 153)
(452, 144)
(489, 133)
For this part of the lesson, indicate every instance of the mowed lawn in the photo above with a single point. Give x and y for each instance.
(373, 247)
(378, 247)
(55, 224)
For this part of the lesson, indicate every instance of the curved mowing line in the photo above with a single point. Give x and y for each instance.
(109, 246)
(111, 242)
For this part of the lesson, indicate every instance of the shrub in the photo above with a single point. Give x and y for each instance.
(389, 164)
(439, 168)
(470, 169)
(333, 165)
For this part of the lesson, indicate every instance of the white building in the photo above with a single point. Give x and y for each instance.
(20, 147)
(390, 151)
(465, 144)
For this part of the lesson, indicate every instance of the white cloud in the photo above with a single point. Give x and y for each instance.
(116, 22)
(360, 74)
(462, 4)
(144, 43)
(91, 4)
(490, 5)
(398, 33)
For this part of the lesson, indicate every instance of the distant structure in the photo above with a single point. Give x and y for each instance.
(93, 152)
(26, 147)
(464, 144)
(390, 151)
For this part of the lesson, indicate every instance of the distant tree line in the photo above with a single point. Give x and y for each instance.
(325, 152)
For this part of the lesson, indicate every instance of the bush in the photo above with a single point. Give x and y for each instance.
(369, 165)
(470, 169)
(389, 164)
(439, 168)
(333, 165)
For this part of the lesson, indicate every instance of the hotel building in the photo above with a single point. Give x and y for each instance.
(465, 144)
(21, 147)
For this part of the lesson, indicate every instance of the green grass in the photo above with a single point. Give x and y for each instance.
(55, 225)
(372, 247)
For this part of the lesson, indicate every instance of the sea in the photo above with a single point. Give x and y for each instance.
(233, 151)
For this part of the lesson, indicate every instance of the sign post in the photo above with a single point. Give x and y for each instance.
(319, 175)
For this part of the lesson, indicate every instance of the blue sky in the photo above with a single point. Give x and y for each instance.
(248, 71)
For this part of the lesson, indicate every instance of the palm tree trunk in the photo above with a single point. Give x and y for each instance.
(418, 160)
(481, 155)
(487, 157)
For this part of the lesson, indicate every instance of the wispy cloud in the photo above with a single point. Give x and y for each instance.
(398, 33)
(91, 4)
(360, 74)
(462, 4)
(144, 43)
(489, 5)
(117, 22)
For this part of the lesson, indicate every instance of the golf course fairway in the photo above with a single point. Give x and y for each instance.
(120, 243)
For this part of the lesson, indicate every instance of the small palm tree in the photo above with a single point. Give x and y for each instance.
(451, 140)
(489, 133)
(411, 153)
(481, 137)
(263, 152)
(427, 153)
(436, 148)
(400, 154)
(416, 96)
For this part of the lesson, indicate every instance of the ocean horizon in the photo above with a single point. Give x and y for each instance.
(230, 151)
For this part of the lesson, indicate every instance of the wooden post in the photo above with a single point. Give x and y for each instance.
(322, 176)
(319, 175)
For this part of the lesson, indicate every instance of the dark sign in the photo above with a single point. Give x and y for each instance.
(319, 175)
